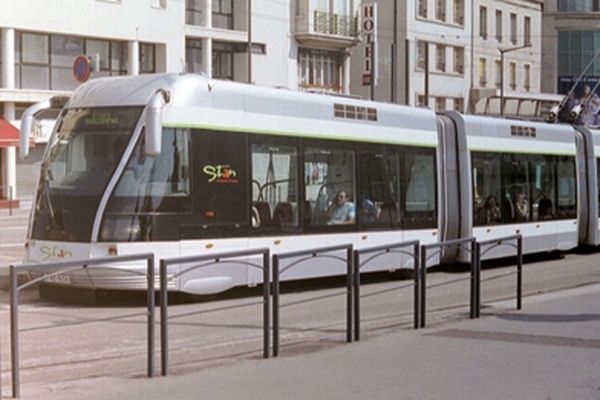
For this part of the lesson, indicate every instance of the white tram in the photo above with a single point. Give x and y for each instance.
(181, 165)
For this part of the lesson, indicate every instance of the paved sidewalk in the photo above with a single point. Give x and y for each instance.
(549, 350)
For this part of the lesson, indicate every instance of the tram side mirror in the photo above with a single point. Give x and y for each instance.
(27, 121)
(153, 132)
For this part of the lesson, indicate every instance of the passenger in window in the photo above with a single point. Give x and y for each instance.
(542, 204)
(521, 207)
(342, 211)
(255, 217)
(368, 212)
(490, 212)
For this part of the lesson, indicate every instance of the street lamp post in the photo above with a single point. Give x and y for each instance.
(502, 51)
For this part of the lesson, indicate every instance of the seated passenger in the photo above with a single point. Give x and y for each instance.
(342, 211)
(521, 207)
(543, 205)
(490, 212)
(368, 212)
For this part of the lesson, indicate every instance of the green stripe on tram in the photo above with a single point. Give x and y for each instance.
(523, 151)
(296, 134)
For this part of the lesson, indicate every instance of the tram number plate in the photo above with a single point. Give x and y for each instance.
(62, 279)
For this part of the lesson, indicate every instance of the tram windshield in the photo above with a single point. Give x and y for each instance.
(78, 164)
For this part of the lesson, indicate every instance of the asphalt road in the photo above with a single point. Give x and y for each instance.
(67, 350)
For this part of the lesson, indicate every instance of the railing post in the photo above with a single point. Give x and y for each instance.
(519, 272)
(266, 303)
(473, 305)
(478, 280)
(14, 332)
(164, 339)
(423, 285)
(356, 295)
(349, 294)
(416, 289)
(275, 305)
(150, 274)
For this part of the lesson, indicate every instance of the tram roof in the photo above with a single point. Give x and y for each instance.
(191, 91)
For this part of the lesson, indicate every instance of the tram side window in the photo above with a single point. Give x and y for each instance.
(274, 187)
(419, 195)
(329, 187)
(515, 203)
(221, 183)
(567, 187)
(543, 190)
(379, 200)
(487, 194)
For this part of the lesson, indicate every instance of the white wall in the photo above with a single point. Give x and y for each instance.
(126, 20)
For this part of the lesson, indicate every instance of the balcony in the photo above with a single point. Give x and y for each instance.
(327, 30)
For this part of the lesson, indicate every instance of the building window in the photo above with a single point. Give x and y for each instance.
(440, 10)
(440, 58)
(422, 10)
(498, 80)
(422, 48)
(45, 61)
(194, 12)
(483, 32)
(147, 58)
(440, 103)
(319, 69)
(513, 28)
(459, 60)
(512, 70)
(459, 12)
(193, 55)
(527, 78)
(421, 101)
(527, 31)
(579, 6)
(499, 25)
(482, 72)
(222, 14)
(459, 104)
(222, 60)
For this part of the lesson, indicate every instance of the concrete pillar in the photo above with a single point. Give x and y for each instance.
(346, 72)
(207, 42)
(9, 155)
(133, 48)
(8, 58)
(207, 14)
(207, 57)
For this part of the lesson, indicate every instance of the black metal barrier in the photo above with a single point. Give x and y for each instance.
(206, 261)
(514, 241)
(378, 251)
(68, 266)
(473, 277)
(310, 254)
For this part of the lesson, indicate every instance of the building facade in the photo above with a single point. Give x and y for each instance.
(460, 42)
(571, 40)
(297, 44)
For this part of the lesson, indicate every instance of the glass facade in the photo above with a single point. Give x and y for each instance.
(578, 5)
(575, 50)
(45, 61)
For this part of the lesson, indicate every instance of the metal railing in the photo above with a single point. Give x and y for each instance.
(207, 261)
(378, 251)
(514, 241)
(460, 243)
(309, 254)
(49, 270)
(335, 24)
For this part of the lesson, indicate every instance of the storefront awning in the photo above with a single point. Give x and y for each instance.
(9, 135)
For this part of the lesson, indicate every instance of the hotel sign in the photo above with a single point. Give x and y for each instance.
(369, 28)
